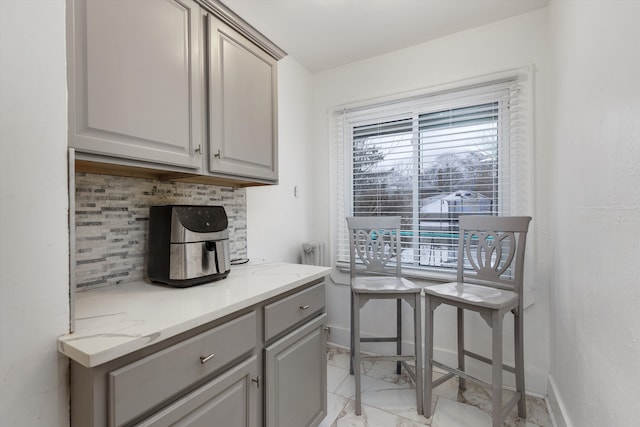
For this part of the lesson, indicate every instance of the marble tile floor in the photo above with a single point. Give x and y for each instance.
(389, 400)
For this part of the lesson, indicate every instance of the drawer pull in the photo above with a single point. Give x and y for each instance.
(257, 381)
(303, 307)
(205, 359)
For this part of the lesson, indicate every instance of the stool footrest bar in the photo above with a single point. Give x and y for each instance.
(459, 373)
(443, 379)
(379, 339)
(488, 361)
(393, 357)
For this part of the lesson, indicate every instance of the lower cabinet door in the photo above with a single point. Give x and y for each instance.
(230, 399)
(296, 377)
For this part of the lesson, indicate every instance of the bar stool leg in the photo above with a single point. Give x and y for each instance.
(428, 346)
(398, 333)
(356, 346)
(351, 335)
(417, 342)
(462, 385)
(496, 367)
(519, 352)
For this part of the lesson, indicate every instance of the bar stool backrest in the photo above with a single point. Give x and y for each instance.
(491, 250)
(374, 244)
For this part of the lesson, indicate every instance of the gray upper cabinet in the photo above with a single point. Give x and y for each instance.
(136, 87)
(182, 87)
(243, 105)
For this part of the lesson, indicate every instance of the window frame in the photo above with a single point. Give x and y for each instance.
(504, 146)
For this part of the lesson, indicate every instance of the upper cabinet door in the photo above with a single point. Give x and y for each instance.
(243, 106)
(136, 80)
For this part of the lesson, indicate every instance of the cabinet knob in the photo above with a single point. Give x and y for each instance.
(198, 149)
(303, 307)
(218, 155)
(205, 359)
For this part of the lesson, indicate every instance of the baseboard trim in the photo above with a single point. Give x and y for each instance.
(555, 405)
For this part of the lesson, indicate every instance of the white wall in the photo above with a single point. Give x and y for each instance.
(513, 43)
(278, 221)
(34, 285)
(595, 295)
(590, 153)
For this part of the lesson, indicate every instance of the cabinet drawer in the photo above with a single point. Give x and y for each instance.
(230, 399)
(280, 315)
(138, 387)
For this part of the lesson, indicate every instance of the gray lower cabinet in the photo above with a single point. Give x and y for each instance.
(264, 366)
(138, 387)
(296, 377)
(228, 400)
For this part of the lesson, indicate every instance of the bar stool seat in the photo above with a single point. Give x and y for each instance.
(481, 296)
(383, 284)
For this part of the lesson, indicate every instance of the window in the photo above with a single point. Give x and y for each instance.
(429, 159)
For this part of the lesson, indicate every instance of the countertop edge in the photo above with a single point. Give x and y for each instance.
(71, 345)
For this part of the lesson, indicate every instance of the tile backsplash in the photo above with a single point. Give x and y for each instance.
(112, 217)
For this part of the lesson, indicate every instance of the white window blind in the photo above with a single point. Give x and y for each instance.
(429, 159)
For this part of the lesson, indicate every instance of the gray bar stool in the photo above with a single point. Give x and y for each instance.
(376, 274)
(489, 282)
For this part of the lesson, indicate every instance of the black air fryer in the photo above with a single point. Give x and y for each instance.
(188, 244)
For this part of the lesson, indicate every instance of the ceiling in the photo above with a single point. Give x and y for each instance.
(323, 34)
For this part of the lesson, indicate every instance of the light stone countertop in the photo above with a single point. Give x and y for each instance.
(117, 320)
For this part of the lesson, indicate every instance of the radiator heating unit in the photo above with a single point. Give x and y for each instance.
(313, 253)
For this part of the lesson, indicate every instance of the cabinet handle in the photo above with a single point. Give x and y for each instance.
(198, 149)
(303, 307)
(257, 381)
(205, 359)
(218, 155)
